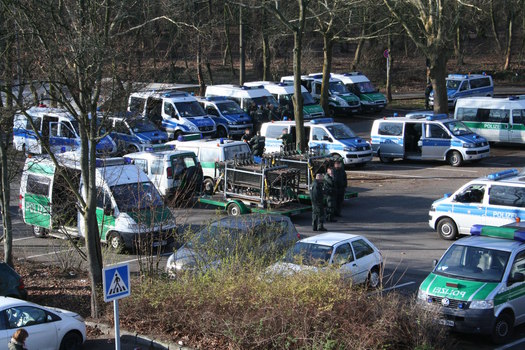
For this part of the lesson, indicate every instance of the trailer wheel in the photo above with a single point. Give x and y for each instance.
(234, 209)
(208, 186)
(39, 232)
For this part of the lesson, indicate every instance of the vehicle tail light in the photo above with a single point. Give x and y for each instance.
(169, 172)
(20, 197)
(21, 285)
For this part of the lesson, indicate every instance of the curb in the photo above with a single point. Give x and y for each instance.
(150, 343)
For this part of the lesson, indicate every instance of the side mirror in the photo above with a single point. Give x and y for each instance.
(516, 277)
(434, 263)
(108, 211)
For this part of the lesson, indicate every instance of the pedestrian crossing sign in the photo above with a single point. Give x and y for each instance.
(115, 280)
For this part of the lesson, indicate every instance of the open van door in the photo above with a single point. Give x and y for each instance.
(35, 194)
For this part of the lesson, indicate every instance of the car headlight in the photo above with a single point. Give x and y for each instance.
(364, 102)
(349, 149)
(469, 145)
(482, 304)
(193, 128)
(422, 295)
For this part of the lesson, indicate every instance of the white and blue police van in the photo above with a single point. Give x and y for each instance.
(425, 136)
(229, 117)
(496, 199)
(243, 95)
(176, 112)
(57, 128)
(134, 134)
(466, 85)
(332, 138)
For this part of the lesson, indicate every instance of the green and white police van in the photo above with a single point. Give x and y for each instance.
(370, 97)
(129, 210)
(478, 285)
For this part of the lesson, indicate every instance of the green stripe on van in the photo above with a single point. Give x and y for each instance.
(39, 168)
(37, 210)
(492, 126)
(208, 165)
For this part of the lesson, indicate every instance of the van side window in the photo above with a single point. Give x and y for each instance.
(210, 155)
(142, 164)
(466, 114)
(519, 264)
(507, 195)
(471, 194)
(53, 129)
(318, 89)
(66, 131)
(156, 167)
(499, 115)
(319, 134)
(102, 198)
(38, 185)
(437, 132)
(390, 129)
(518, 116)
(274, 131)
(464, 86)
(136, 105)
(169, 109)
(211, 110)
(121, 127)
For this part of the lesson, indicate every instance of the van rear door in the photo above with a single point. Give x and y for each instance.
(391, 139)
(37, 209)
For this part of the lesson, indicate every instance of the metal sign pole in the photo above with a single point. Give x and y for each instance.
(117, 324)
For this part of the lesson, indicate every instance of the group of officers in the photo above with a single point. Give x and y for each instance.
(267, 113)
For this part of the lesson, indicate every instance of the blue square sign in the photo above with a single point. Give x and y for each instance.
(116, 283)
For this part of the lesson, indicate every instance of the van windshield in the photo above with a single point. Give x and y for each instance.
(453, 84)
(189, 109)
(263, 100)
(340, 131)
(457, 128)
(308, 99)
(229, 107)
(142, 125)
(231, 151)
(473, 263)
(366, 87)
(136, 196)
(338, 88)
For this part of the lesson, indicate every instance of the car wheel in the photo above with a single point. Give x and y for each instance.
(447, 229)
(373, 280)
(131, 149)
(39, 232)
(115, 242)
(208, 186)
(454, 158)
(177, 134)
(71, 341)
(503, 328)
(385, 159)
(234, 209)
(221, 132)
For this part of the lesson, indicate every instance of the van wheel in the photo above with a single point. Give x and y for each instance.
(454, 158)
(177, 134)
(39, 232)
(503, 328)
(221, 132)
(234, 209)
(385, 159)
(208, 186)
(115, 242)
(447, 229)
(131, 149)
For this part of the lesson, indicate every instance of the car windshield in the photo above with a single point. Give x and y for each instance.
(338, 88)
(453, 84)
(366, 87)
(458, 128)
(133, 196)
(229, 107)
(308, 99)
(263, 100)
(473, 263)
(189, 109)
(340, 131)
(142, 125)
(309, 254)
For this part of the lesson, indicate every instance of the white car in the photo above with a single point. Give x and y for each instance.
(357, 258)
(49, 328)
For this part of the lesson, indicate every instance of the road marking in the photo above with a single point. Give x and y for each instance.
(40, 255)
(22, 239)
(392, 288)
(136, 259)
(497, 164)
(387, 174)
(510, 345)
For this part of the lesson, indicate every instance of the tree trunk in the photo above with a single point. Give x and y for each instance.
(508, 49)
(388, 86)
(493, 25)
(438, 72)
(297, 96)
(6, 192)
(242, 64)
(359, 48)
(328, 45)
(458, 48)
(266, 57)
(200, 78)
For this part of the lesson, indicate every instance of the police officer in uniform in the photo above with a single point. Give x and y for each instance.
(329, 190)
(317, 198)
(247, 136)
(341, 182)
(257, 144)
(287, 140)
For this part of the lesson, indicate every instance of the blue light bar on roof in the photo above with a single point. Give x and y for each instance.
(437, 117)
(322, 121)
(317, 76)
(498, 232)
(503, 174)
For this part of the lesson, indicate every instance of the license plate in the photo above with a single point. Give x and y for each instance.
(448, 323)
(354, 110)
(158, 243)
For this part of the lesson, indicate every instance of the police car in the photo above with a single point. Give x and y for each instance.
(478, 284)
(466, 85)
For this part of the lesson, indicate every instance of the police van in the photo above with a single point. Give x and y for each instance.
(129, 210)
(478, 285)
(243, 95)
(176, 112)
(341, 101)
(466, 85)
(425, 136)
(284, 94)
(357, 83)
(56, 127)
(231, 120)
(209, 152)
(177, 174)
(134, 134)
(497, 199)
(496, 119)
(332, 138)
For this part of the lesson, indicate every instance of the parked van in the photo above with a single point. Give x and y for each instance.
(209, 152)
(231, 120)
(496, 119)
(497, 199)
(284, 94)
(176, 174)
(466, 85)
(243, 95)
(176, 112)
(357, 83)
(129, 208)
(134, 134)
(341, 101)
(55, 126)
(425, 136)
(333, 138)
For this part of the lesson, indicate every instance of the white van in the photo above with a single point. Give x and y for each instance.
(497, 199)
(357, 83)
(129, 208)
(176, 112)
(333, 138)
(211, 151)
(425, 136)
(56, 127)
(177, 174)
(496, 119)
(466, 85)
(243, 95)
(284, 94)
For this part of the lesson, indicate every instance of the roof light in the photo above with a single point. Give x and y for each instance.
(127, 160)
(322, 121)
(503, 174)
(498, 232)
(437, 117)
